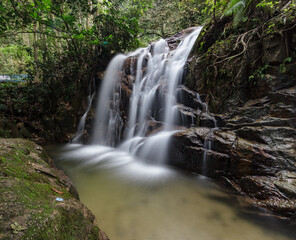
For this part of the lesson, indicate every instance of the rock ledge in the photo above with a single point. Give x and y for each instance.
(38, 201)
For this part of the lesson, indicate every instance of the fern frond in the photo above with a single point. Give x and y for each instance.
(238, 16)
(234, 6)
(237, 8)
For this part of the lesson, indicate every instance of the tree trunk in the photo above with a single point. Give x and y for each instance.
(35, 48)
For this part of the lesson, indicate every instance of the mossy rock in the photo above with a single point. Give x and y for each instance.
(30, 190)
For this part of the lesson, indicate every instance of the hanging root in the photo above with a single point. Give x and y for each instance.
(241, 41)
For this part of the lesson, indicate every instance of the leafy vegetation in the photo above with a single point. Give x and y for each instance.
(237, 8)
(165, 18)
(62, 45)
(14, 58)
(64, 38)
(60, 40)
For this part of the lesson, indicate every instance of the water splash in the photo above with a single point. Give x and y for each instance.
(154, 75)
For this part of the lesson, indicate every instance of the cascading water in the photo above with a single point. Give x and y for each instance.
(141, 104)
(157, 73)
(108, 122)
(208, 147)
(81, 124)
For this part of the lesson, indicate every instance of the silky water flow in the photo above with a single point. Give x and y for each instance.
(122, 177)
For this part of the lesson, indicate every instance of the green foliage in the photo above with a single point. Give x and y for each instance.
(256, 11)
(283, 65)
(14, 58)
(122, 19)
(237, 8)
(269, 6)
(62, 44)
(267, 3)
(72, 28)
(166, 18)
(260, 72)
(214, 8)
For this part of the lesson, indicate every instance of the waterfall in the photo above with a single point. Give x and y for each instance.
(108, 122)
(208, 146)
(81, 125)
(148, 78)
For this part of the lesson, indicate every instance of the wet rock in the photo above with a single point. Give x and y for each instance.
(220, 120)
(130, 66)
(259, 187)
(286, 183)
(285, 98)
(174, 41)
(153, 127)
(284, 207)
(205, 120)
(189, 98)
(188, 149)
(253, 165)
(185, 116)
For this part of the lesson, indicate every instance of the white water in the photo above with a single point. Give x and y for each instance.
(133, 200)
(108, 123)
(158, 73)
(208, 147)
(81, 124)
(174, 73)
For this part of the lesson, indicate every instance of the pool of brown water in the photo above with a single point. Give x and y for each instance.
(134, 200)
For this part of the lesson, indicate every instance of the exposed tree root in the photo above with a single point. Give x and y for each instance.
(240, 41)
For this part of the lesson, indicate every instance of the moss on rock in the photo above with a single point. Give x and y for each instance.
(227, 64)
(29, 188)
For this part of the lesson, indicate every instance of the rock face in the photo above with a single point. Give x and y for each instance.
(240, 127)
(38, 201)
(236, 113)
(253, 91)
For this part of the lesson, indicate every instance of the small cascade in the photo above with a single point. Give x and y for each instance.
(174, 72)
(149, 78)
(208, 146)
(208, 137)
(108, 123)
(81, 125)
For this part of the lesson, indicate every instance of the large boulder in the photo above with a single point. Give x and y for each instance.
(248, 81)
(37, 201)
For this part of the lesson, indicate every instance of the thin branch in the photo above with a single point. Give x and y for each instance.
(47, 34)
(68, 28)
(17, 12)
